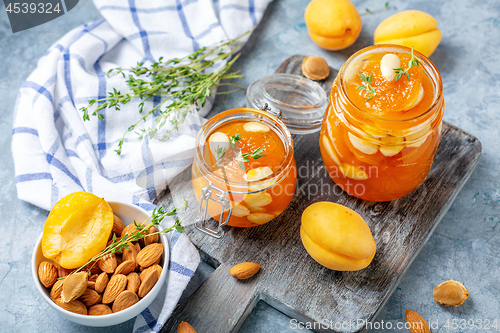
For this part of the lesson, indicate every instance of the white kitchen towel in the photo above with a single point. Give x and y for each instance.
(56, 153)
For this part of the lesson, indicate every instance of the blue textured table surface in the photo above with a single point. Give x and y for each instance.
(464, 247)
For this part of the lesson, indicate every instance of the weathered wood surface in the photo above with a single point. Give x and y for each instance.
(290, 280)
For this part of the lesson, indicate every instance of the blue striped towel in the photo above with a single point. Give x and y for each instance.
(56, 153)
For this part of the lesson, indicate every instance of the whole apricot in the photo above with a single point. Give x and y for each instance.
(337, 237)
(410, 28)
(333, 24)
(77, 228)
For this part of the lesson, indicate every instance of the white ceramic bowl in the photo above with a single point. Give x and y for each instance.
(127, 213)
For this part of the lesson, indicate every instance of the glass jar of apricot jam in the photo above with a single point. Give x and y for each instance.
(383, 124)
(244, 171)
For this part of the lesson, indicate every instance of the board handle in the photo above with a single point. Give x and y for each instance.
(220, 305)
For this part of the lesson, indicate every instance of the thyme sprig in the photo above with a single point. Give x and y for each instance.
(234, 139)
(221, 151)
(412, 63)
(367, 81)
(185, 83)
(140, 231)
(370, 11)
(245, 157)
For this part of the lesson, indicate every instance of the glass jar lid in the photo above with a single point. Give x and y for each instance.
(299, 102)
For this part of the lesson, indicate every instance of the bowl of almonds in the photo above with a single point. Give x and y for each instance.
(118, 282)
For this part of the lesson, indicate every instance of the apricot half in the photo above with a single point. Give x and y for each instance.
(337, 237)
(411, 28)
(76, 229)
(332, 24)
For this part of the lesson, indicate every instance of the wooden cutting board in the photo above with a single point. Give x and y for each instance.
(290, 280)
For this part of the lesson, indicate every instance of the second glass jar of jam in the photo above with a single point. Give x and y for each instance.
(244, 171)
(383, 125)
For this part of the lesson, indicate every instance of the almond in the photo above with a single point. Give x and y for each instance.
(108, 263)
(256, 127)
(450, 293)
(218, 141)
(74, 286)
(91, 285)
(125, 300)
(149, 254)
(257, 174)
(131, 229)
(138, 247)
(152, 238)
(148, 282)
(388, 63)
(89, 297)
(131, 254)
(56, 290)
(185, 328)
(47, 273)
(101, 282)
(125, 267)
(73, 306)
(152, 267)
(115, 286)
(118, 226)
(133, 282)
(119, 261)
(416, 323)
(93, 277)
(99, 310)
(244, 270)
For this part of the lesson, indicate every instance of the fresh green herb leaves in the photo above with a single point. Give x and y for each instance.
(221, 151)
(183, 83)
(245, 157)
(367, 81)
(412, 63)
(235, 138)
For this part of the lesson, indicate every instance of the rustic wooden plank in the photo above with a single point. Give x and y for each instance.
(290, 279)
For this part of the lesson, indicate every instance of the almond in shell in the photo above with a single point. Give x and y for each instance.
(101, 282)
(89, 297)
(450, 293)
(415, 322)
(115, 286)
(108, 263)
(73, 306)
(99, 310)
(133, 282)
(185, 328)
(125, 300)
(244, 270)
(74, 286)
(47, 273)
(148, 282)
(150, 254)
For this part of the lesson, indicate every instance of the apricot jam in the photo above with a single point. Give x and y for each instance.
(244, 168)
(380, 131)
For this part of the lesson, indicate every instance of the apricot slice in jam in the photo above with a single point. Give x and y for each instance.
(76, 229)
